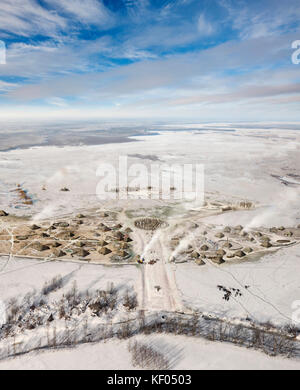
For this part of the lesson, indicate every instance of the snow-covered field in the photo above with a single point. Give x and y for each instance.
(237, 164)
(185, 353)
(269, 285)
(244, 164)
(272, 287)
(22, 276)
(85, 303)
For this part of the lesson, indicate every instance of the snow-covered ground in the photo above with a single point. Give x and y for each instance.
(183, 352)
(22, 276)
(88, 299)
(240, 165)
(269, 287)
(237, 164)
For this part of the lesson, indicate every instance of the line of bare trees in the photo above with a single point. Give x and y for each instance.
(36, 322)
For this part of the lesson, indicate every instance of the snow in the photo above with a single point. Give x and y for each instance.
(184, 353)
(273, 287)
(27, 275)
(238, 164)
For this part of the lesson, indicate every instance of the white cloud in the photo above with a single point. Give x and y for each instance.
(28, 17)
(43, 60)
(230, 74)
(57, 101)
(5, 86)
(85, 11)
(261, 19)
(205, 28)
(175, 72)
(240, 94)
(25, 17)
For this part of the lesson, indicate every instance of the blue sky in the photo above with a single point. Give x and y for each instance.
(210, 60)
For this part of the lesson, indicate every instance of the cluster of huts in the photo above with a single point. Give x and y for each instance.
(234, 243)
(75, 238)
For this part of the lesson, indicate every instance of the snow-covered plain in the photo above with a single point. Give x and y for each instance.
(23, 283)
(272, 287)
(184, 353)
(237, 164)
(22, 276)
(240, 164)
(269, 284)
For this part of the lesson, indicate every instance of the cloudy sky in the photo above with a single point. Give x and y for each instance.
(196, 60)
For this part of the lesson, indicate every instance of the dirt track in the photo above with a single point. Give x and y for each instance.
(159, 288)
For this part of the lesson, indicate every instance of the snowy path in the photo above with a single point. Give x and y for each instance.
(159, 288)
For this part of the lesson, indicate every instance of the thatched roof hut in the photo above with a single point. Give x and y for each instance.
(240, 253)
(266, 244)
(204, 247)
(217, 259)
(39, 247)
(219, 235)
(199, 262)
(102, 243)
(104, 228)
(118, 235)
(79, 244)
(194, 255)
(56, 244)
(126, 238)
(104, 250)
(122, 253)
(58, 253)
(82, 252)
